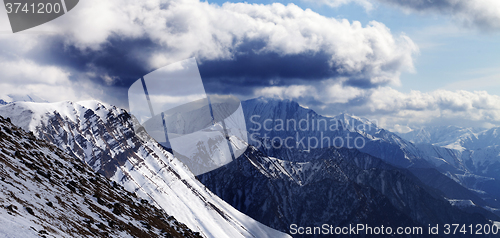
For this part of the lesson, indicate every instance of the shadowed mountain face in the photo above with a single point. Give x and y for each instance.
(46, 192)
(280, 193)
(337, 187)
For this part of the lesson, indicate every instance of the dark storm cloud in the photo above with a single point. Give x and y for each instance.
(257, 66)
(122, 59)
(125, 60)
(249, 70)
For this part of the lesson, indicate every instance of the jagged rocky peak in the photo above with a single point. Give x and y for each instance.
(75, 126)
(45, 192)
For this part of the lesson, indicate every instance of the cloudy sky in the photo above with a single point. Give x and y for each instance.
(402, 62)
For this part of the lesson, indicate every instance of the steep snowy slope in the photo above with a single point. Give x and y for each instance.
(47, 193)
(103, 137)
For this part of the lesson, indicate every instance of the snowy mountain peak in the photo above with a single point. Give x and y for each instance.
(30, 115)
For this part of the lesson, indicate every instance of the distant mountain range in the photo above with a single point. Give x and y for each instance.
(470, 156)
(338, 187)
(287, 182)
(352, 132)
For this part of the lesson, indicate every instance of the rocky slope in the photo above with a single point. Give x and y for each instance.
(47, 193)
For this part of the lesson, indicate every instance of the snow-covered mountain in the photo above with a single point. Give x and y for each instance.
(204, 137)
(103, 136)
(45, 192)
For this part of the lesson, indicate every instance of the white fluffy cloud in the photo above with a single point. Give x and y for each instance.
(443, 107)
(52, 83)
(23, 76)
(325, 93)
(20, 75)
(392, 108)
(192, 28)
(28, 72)
(290, 92)
(390, 100)
(186, 28)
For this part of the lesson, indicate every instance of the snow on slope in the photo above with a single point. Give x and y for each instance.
(103, 136)
(47, 193)
(439, 135)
